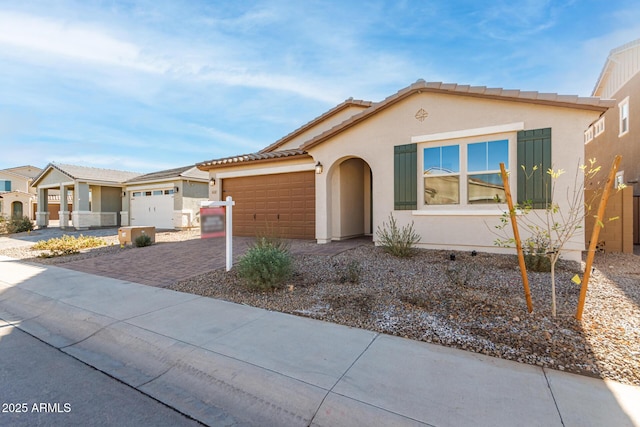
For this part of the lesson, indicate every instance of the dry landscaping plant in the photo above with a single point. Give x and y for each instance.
(67, 245)
(265, 266)
(397, 241)
(16, 225)
(143, 240)
(348, 272)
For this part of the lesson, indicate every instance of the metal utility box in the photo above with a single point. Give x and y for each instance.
(130, 234)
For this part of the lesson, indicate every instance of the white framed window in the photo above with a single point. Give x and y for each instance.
(137, 193)
(619, 178)
(484, 182)
(476, 164)
(623, 107)
(588, 135)
(157, 192)
(441, 175)
(598, 127)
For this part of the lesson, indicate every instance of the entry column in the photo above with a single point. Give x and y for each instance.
(42, 215)
(64, 207)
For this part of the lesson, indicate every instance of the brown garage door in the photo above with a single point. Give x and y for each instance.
(281, 204)
(54, 210)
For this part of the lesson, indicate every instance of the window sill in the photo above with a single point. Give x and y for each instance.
(460, 212)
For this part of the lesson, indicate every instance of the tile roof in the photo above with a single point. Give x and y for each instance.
(30, 172)
(86, 173)
(552, 99)
(246, 158)
(513, 95)
(7, 193)
(350, 102)
(182, 172)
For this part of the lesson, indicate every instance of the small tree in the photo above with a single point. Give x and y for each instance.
(554, 225)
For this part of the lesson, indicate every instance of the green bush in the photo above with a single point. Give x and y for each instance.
(535, 253)
(142, 241)
(18, 225)
(397, 241)
(67, 245)
(265, 267)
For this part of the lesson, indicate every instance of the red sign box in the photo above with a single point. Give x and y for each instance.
(212, 222)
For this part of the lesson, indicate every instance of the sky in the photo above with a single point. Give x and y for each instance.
(150, 85)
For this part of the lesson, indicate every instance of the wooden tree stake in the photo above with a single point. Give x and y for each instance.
(594, 235)
(516, 236)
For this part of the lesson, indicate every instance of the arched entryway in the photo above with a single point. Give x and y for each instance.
(351, 187)
(17, 210)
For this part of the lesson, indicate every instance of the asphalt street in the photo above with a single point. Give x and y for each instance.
(42, 386)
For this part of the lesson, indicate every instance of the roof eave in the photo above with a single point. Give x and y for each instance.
(208, 166)
(335, 110)
(44, 171)
(162, 180)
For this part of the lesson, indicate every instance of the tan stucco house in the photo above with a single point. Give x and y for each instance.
(617, 131)
(165, 199)
(96, 195)
(429, 154)
(17, 197)
(93, 197)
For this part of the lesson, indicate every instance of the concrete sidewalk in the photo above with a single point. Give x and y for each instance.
(223, 363)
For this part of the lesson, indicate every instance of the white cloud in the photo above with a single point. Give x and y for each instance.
(94, 45)
(77, 41)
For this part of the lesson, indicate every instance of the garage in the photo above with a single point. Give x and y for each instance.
(152, 208)
(280, 204)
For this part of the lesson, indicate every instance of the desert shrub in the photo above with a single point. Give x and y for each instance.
(348, 272)
(535, 253)
(18, 225)
(67, 245)
(268, 237)
(265, 267)
(397, 241)
(267, 241)
(142, 241)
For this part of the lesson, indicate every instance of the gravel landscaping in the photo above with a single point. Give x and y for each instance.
(475, 303)
(472, 303)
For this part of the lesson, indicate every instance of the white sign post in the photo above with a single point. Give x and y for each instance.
(228, 204)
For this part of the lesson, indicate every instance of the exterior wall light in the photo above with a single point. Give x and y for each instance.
(318, 168)
(213, 181)
(177, 189)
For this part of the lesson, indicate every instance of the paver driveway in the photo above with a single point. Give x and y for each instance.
(163, 264)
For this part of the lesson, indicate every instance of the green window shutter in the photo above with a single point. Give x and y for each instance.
(405, 173)
(534, 149)
(5, 185)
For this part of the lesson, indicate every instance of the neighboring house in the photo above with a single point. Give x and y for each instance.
(166, 199)
(429, 154)
(17, 197)
(617, 131)
(96, 194)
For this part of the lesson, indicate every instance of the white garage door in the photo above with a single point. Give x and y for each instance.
(152, 208)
